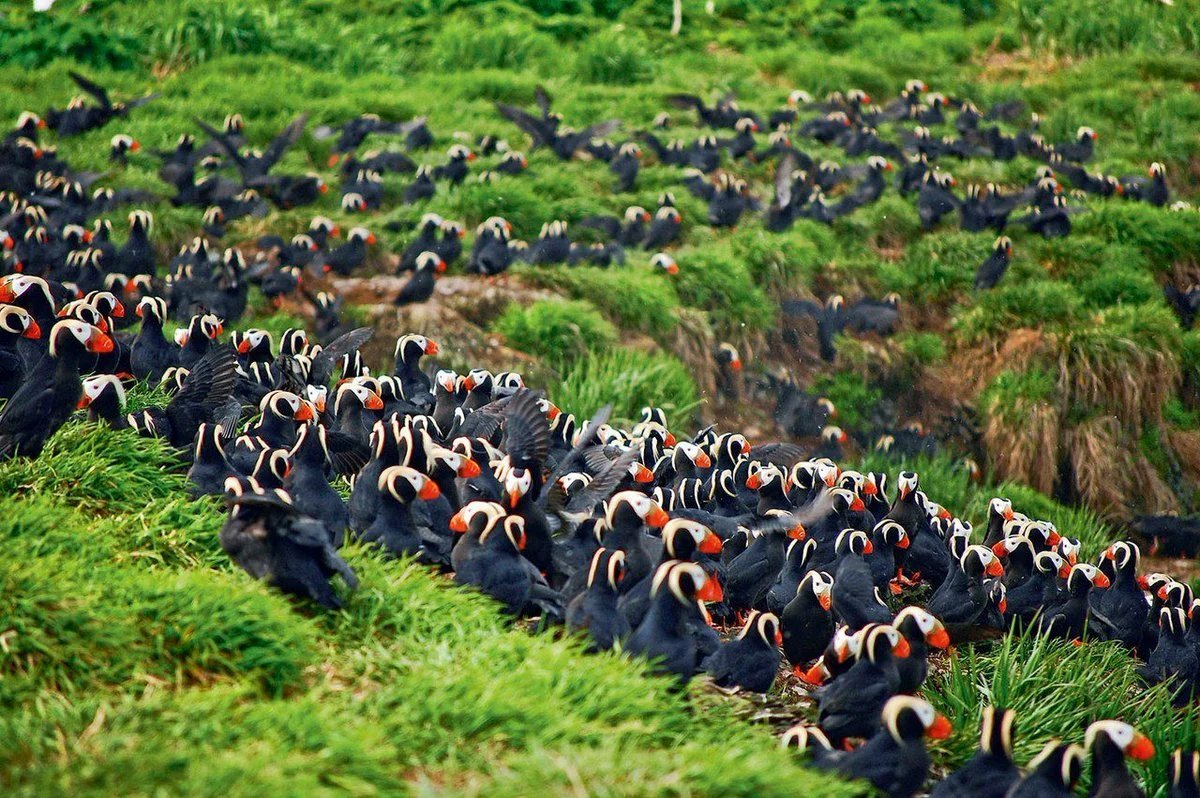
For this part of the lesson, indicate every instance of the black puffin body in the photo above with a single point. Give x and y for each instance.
(990, 773)
(271, 540)
(752, 659)
(51, 390)
(595, 610)
(1109, 742)
(894, 759)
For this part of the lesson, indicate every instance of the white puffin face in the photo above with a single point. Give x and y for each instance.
(1119, 732)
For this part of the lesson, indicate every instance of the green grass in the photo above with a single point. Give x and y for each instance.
(1051, 687)
(629, 379)
(144, 662)
(127, 675)
(557, 330)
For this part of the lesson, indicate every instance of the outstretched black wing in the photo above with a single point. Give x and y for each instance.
(526, 431)
(96, 90)
(286, 138)
(542, 98)
(207, 388)
(535, 127)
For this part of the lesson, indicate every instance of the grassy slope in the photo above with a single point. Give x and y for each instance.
(215, 662)
(136, 659)
(1091, 302)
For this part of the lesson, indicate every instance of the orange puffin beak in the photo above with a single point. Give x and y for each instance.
(702, 460)
(1142, 582)
(995, 569)
(469, 469)
(429, 491)
(243, 345)
(1141, 748)
(1000, 549)
(441, 266)
(869, 548)
(373, 402)
(711, 544)
(644, 475)
(83, 402)
(779, 637)
(902, 650)
(711, 591)
(904, 542)
(458, 524)
(118, 311)
(825, 601)
(371, 238)
(33, 331)
(514, 498)
(1102, 581)
(657, 517)
(736, 365)
(754, 482)
(856, 504)
(135, 146)
(814, 676)
(941, 728)
(305, 413)
(938, 638)
(797, 532)
(99, 343)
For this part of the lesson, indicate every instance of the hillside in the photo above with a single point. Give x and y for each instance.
(136, 659)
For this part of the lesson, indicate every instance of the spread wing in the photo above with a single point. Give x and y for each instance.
(96, 90)
(526, 121)
(223, 142)
(207, 387)
(286, 138)
(542, 98)
(526, 431)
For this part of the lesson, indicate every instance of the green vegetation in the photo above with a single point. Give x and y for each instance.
(136, 659)
(557, 330)
(1051, 687)
(630, 380)
(125, 672)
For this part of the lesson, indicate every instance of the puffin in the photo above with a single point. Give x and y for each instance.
(664, 636)
(1052, 774)
(751, 660)
(806, 621)
(894, 760)
(991, 772)
(50, 391)
(273, 541)
(594, 611)
(1110, 742)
